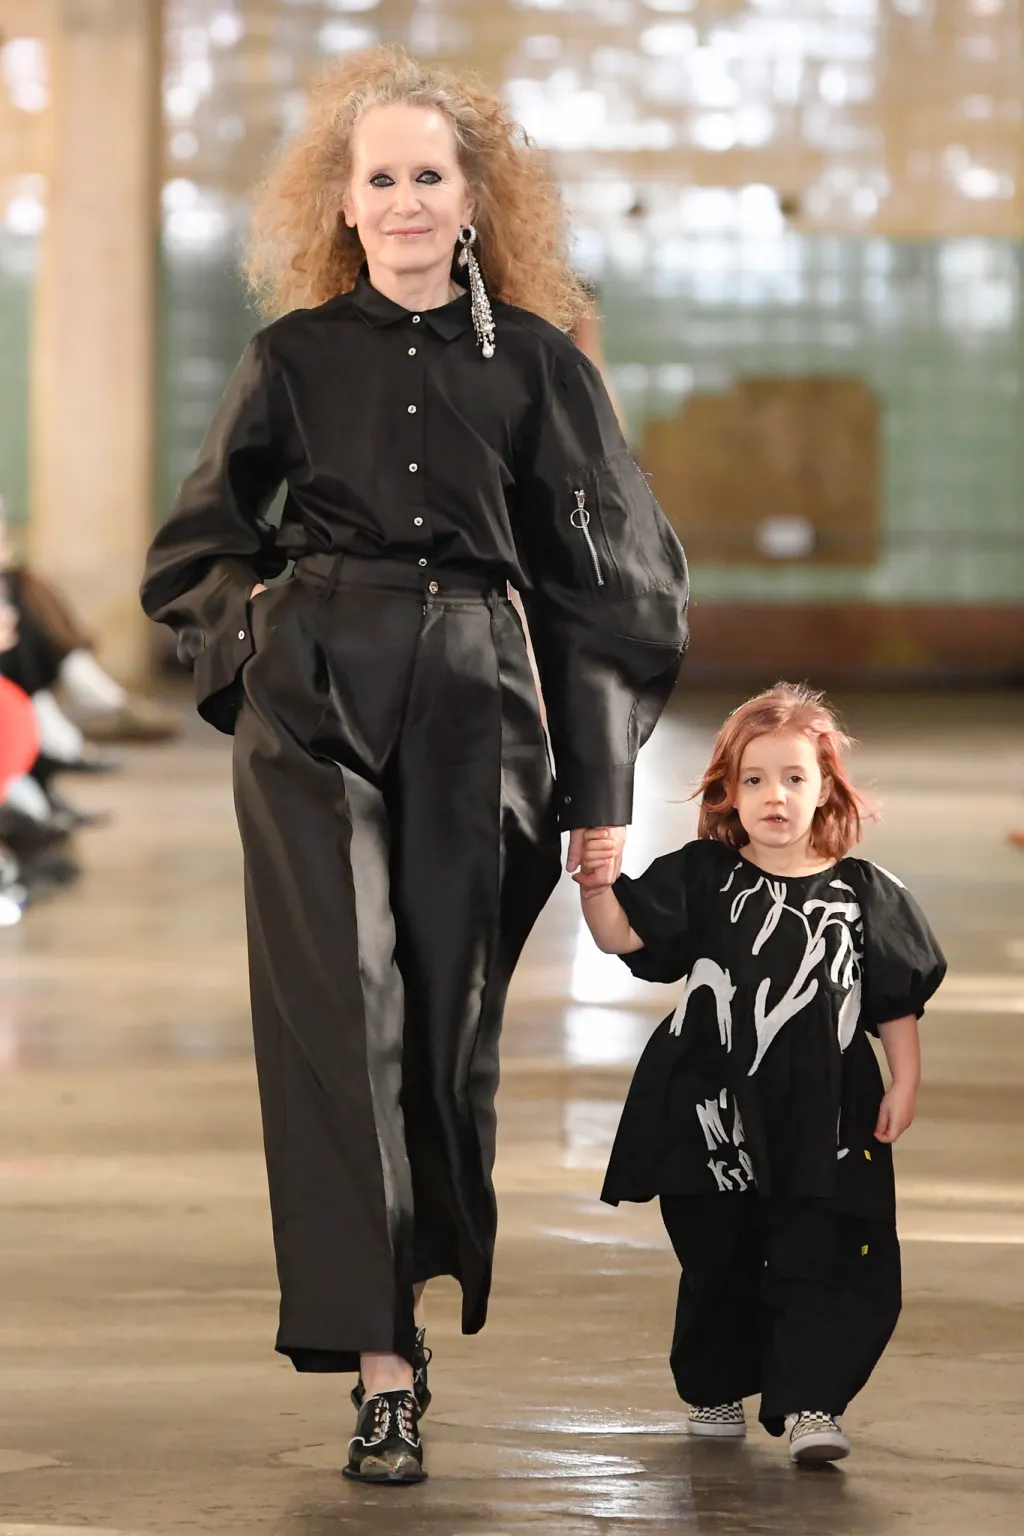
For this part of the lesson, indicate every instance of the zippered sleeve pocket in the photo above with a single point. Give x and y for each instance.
(619, 544)
(579, 517)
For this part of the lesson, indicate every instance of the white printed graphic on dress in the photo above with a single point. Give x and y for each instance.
(727, 1177)
(836, 919)
(708, 973)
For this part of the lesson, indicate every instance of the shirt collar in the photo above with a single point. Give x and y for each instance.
(449, 321)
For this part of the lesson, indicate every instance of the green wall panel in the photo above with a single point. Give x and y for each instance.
(935, 328)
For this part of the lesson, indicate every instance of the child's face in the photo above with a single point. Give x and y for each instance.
(780, 788)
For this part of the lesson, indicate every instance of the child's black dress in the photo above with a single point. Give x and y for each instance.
(752, 1115)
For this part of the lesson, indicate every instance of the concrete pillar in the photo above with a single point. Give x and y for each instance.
(93, 392)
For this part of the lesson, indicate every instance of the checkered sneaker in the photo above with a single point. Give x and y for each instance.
(816, 1437)
(726, 1421)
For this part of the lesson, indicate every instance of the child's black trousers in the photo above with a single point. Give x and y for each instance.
(788, 1298)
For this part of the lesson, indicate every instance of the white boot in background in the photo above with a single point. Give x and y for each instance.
(59, 738)
(89, 690)
(107, 711)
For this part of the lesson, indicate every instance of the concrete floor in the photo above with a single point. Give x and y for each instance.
(138, 1389)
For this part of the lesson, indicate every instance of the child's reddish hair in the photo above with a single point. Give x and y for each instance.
(784, 708)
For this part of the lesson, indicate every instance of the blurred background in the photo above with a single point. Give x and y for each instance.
(805, 219)
(804, 222)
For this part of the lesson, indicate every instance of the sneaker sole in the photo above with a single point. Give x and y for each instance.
(374, 1469)
(817, 1450)
(717, 1431)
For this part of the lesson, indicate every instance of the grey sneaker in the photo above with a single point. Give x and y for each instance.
(727, 1421)
(815, 1438)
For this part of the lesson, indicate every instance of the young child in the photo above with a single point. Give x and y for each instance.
(757, 1113)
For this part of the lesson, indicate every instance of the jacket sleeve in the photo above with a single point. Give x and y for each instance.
(607, 594)
(213, 548)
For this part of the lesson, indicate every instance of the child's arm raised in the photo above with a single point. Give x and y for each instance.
(602, 913)
(902, 1046)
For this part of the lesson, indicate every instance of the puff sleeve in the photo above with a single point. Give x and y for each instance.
(213, 548)
(663, 906)
(607, 595)
(903, 963)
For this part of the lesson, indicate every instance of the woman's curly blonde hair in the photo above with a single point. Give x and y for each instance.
(303, 253)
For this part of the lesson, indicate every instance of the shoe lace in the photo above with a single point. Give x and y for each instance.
(406, 1412)
(380, 1427)
(425, 1355)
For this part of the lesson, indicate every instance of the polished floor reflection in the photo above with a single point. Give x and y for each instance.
(138, 1392)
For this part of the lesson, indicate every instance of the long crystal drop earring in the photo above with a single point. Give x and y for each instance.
(480, 304)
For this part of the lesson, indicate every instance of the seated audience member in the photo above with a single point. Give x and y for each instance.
(34, 825)
(62, 652)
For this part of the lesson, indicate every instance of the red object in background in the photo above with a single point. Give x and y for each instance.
(19, 737)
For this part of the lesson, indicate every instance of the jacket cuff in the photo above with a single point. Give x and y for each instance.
(594, 797)
(227, 644)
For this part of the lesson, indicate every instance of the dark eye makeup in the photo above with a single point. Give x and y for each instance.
(382, 179)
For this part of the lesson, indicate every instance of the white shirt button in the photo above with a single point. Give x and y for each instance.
(433, 589)
(413, 468)
(412, 351)
(241, 634)
(412, 410)
(423, 562)
(415, 319)
(418, 521)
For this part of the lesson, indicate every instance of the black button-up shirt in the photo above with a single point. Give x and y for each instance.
(395, 437)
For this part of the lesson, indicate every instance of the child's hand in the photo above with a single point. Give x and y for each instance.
(896, 1112)
(601, 859)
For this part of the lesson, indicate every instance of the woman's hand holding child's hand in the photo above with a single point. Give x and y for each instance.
(595, 859)
(600, 859)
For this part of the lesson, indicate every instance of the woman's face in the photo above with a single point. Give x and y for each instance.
(408, 197)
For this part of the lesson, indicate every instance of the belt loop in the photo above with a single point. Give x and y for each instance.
(334, 578)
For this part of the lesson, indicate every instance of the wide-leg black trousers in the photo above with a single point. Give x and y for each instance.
(396, 808)
(791, 1299)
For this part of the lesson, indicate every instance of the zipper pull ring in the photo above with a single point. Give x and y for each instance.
(579, 517)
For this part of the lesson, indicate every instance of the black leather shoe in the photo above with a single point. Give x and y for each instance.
(386, 1447)
(420, 1360)
(43, 874)
(25, 836)
(45, 767)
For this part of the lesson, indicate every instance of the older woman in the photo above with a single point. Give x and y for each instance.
(396, 805)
